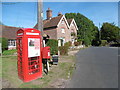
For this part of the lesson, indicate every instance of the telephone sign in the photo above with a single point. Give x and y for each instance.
(33, 47)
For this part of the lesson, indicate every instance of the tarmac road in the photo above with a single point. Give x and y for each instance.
(96, 67)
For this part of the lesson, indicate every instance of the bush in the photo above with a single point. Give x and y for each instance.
(68, 44)
(96, 42)
(73, 34)
(64, 49)
(86, 41)
(9, 52)
(53, 46)
(76, 43)
(4, 42)
(80, 41)
(104, 42)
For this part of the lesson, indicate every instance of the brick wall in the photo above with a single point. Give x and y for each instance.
(73, 28)
(66, 35)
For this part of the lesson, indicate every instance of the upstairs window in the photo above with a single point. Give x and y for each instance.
(62, 30)
(62, 22)
(72, 24)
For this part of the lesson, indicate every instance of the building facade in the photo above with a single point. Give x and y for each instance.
(59, 28)
(9, 33)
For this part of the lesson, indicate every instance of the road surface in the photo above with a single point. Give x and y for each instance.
(96, 67)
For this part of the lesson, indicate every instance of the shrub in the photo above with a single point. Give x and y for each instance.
(87, 41)
(9, 52)
(73, 34)
(4, 42)
(80, 41)
(104, 42)
(64, 49)
(68, 44)
(53, 46)
(76, 43)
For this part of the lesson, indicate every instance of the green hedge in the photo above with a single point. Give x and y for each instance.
(4, 42)
(104, 42)
(9, 52)
(53, 46)
(87, 41)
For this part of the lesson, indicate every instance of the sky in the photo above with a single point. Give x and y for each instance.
(24, 14)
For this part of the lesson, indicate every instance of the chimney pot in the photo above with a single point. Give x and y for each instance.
(59, 14)
(49, 13)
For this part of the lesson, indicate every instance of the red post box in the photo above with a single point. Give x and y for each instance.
(29, 45)
(46, 52)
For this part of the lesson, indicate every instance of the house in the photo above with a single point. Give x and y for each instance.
(73, 28)
(59, 28)
(10, 33)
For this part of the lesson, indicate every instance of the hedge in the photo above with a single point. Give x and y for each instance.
(104, 42)
(9, 52)
(64, 49)
(4, 42)
(53, 46)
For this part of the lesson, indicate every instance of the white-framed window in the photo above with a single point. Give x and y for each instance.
(72, 30)
(11, 42)
(72, 24)
(62, 30)
(62, 22)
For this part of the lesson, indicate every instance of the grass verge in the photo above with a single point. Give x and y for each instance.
(58, 72)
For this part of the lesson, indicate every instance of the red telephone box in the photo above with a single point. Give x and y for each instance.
(29, 45)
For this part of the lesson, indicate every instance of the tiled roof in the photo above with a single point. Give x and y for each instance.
(9, 32)
(51, 22)
(69, 21)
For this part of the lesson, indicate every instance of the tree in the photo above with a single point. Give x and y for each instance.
(86, 28)
(110, 32)
(4, 42)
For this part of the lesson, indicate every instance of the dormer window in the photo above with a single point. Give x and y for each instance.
(72, 24)
(62, 22)
(62, 30)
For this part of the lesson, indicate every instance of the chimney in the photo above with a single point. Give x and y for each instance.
(49, 13)
(59, 14)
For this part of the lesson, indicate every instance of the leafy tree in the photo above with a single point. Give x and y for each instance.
(4, 42)
(87, 41)
(110, 32)
(96, 41)
(86, 27)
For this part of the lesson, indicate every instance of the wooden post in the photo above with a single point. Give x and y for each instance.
(40, 17)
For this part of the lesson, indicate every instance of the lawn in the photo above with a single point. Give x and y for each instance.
(58, 73)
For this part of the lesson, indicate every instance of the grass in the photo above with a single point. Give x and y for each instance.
(9, 52)
(61, 71)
